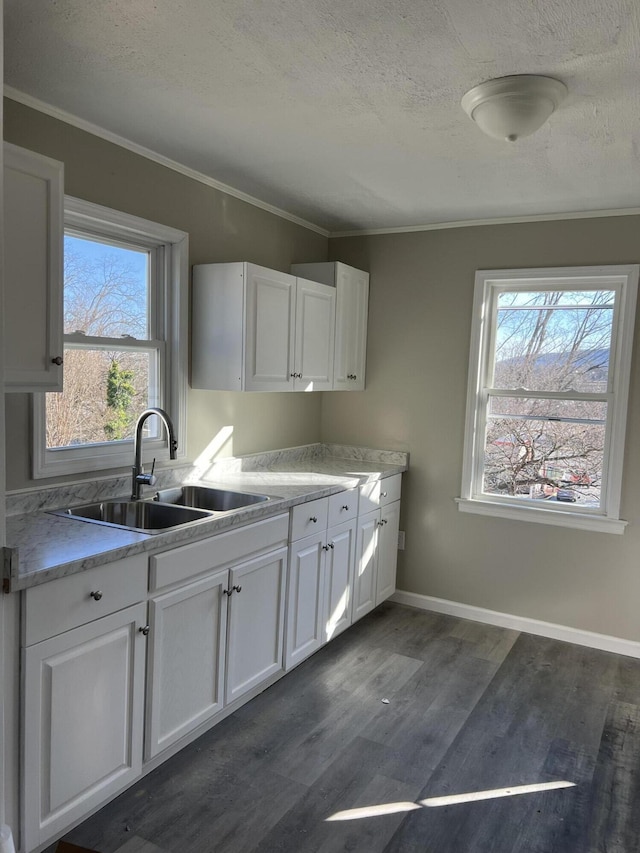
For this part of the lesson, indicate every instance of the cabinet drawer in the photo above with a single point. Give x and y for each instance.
(343, 507)
(309, 518)
(225, 549)
(379, 493)
(58, 606)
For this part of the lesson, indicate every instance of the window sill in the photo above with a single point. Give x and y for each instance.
(541, 515)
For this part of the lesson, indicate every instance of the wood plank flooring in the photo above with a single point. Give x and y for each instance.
(471, 708)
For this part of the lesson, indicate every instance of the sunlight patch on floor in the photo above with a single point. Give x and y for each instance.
(448, 800)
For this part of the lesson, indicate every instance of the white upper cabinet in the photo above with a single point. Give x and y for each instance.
(352, 295)
(33, 247)
(256, 329)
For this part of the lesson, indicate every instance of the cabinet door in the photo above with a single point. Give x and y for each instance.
(364, 594)
(270, 331)
(185, 685)
(352, 288)
(256, 623)
(387, 551)
(339, 577)
(33, 238)
(83, 701)
(305, 598)
(315, 331)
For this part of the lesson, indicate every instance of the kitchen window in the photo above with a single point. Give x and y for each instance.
(125, 287)
(547, 395)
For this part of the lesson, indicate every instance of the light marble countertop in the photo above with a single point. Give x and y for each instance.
(45, 547)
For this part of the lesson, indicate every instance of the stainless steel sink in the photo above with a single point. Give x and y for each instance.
(140, 516)
(203, 497)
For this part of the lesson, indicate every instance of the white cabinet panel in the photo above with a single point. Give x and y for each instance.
(256, 622)
(83, 700)
(315, 329)
(339, 578)
(352, 301)
(186, 660)
(270, 330)
(305, 598)
(33, 245)
(366, 564)
(387, 551)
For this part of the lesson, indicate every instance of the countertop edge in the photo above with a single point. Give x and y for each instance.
(130, 543)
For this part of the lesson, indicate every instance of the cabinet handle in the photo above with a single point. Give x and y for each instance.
(96, 595)
(237, 588)
(346, 507)
(145, 631)
(57, 360)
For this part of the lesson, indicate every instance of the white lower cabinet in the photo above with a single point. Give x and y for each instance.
(216, 635)
(186, 659)
(376, 544)
(217, 626)
(83, 700)
(321, 568)
(256, 623)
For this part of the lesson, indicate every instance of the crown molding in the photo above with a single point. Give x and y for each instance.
(502, 220)
(108, 136)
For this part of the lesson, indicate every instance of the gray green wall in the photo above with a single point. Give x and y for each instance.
(419, 326)
(221, 228)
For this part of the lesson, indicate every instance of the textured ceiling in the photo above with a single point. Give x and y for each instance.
(347, 112)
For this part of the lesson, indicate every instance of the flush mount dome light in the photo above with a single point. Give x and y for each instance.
(510, 107)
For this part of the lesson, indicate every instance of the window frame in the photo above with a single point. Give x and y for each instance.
(168, 301)
(488, 284)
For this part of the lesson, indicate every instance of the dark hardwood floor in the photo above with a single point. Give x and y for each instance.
(471, 708)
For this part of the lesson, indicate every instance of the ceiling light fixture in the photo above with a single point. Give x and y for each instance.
(510, 107)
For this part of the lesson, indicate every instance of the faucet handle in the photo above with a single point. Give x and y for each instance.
(147, 479)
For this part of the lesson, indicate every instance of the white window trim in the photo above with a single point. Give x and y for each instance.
(104, 222)
(606, 517)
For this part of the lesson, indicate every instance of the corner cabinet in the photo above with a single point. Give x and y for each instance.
(352, 301)
(33, 249)
(256, 329)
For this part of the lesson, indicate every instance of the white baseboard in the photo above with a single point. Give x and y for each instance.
(565, 633)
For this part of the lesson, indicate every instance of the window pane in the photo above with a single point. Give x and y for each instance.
(544, 460)
(104, 392)
(553, 340)
(566, 409)
(106, 289)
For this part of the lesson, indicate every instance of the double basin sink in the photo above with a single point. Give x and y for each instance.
(169, 508)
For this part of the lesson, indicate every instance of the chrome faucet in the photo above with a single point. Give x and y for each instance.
(138, 478)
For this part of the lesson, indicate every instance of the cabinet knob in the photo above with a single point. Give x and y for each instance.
(57, 360)
(227, 592)
(296, 375)
(237, 588)
(145, 631)
(351, 376)
(384, 521)
(346, 506)
(314, 519)
(325, 547)
(96, 595)
(383, 494)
